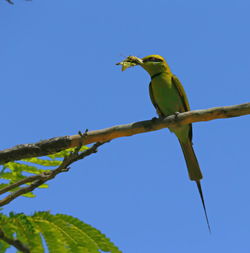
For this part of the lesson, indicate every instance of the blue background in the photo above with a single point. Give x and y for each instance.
(58, 76)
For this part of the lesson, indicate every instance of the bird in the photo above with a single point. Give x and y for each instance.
(169, 98)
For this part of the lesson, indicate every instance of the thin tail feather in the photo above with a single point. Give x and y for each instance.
(198, 183)
(194, 171)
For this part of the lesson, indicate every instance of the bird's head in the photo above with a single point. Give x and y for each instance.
(153, 64)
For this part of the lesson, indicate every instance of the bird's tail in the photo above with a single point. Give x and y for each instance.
(194, 171)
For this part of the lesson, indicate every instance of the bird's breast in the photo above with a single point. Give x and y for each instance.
(165, 94)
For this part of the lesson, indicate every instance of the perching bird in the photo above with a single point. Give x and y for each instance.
(168, 97)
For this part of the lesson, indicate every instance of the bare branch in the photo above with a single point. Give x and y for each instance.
(14, 242)
(21, 182)
(57, 144)
(46, 176)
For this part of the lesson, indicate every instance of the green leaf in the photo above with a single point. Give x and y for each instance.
(12, 176)
(62, 233)
(43, 162)
(92, 235)
(3, 246)
(13, 172)
(66, 152)
(20, 167)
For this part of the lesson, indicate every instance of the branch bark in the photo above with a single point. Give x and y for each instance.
(57, 144)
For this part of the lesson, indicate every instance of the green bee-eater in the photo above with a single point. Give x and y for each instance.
(168, 97)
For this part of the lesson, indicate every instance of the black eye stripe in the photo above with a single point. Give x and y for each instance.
(153, 59)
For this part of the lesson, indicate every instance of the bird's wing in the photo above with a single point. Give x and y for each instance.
(153, 101)
(177, 84)
(182, 93)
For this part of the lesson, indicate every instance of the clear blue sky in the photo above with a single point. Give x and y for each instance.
(58, 76)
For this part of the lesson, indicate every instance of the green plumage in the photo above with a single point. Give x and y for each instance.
(168, 97)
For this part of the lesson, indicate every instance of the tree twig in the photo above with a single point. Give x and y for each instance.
(14, 242)
(57, 144)
(44, 177)
(18, 183)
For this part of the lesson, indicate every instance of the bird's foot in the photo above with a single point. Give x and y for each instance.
(154, 119)
(176, 114)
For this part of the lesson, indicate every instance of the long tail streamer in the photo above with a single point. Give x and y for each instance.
(203, 203)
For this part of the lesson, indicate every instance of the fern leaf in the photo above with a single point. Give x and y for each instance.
(53, 238)
(12, 176)
(78, 233)
(43, 162)
(20, 167)
(26, 231)
(16, 171)
(66, 152)
(3, 246)
(95, 235)
(62, 234)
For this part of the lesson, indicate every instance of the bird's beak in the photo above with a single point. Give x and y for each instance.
(130, 61)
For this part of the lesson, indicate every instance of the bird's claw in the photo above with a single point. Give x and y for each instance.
(176, 114)
(154, 119)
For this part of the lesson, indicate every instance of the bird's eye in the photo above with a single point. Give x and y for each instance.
(153, 59)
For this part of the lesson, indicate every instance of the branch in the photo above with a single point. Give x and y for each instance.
(57, 144)
(14, 242)
(46, 176)
(21, 182)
